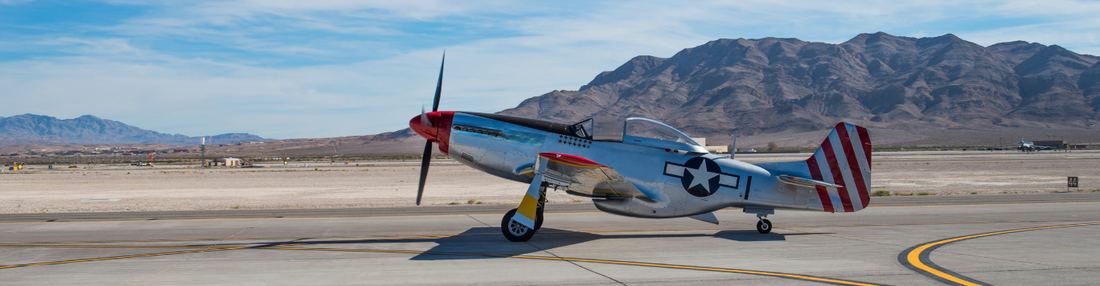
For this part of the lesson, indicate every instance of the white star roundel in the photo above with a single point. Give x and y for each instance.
(701, 177)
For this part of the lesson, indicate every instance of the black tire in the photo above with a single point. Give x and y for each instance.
(538, 220)
(764, 226)
(515, 231)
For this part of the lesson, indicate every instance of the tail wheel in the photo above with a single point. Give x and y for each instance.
(764, 226)
(514, 231)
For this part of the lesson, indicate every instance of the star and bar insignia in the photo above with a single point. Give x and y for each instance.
(701, 177)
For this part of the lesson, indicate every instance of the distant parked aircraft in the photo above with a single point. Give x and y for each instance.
(1024, 146)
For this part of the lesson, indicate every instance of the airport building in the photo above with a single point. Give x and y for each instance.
(229, 162)
(1081, 146)
(712, 149)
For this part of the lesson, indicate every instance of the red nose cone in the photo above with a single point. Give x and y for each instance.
(425, 125)
(434, 126)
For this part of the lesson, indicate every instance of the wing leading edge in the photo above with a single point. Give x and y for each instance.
(583, 177)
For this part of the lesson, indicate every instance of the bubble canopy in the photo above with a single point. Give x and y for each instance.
(653, 133)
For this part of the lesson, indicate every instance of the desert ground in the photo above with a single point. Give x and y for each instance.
(111, 188)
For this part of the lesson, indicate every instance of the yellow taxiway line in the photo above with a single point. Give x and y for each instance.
(289, 246)
(918, 259)
(455, 215)
(408, 237)
(118, 257)
(617, 262)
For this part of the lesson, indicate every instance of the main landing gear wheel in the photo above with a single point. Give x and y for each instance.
(764, 226)
(517, 232)
(538, 220)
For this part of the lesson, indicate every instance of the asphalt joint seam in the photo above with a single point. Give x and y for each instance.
(478, 220)
(193, 255)
(864, 240)
(575, 264)
(558, 257)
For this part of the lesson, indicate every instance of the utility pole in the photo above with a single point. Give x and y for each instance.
(1088, 125)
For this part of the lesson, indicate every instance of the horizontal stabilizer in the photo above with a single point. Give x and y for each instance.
(805, 182)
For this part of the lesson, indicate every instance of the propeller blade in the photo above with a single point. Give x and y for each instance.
(439, 85)
(424, 170)
(428, 146)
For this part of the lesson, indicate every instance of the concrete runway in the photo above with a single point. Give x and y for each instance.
(964, 240)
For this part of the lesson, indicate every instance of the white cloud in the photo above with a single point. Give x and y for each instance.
(14, 2)
(499, 53)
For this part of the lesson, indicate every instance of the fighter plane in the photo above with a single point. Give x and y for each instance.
(1024, 146)
(640, 167)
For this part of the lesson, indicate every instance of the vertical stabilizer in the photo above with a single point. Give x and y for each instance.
(844, 159)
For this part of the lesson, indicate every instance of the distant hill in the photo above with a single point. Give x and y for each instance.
(910, 91)
(87, 129)
(772, 85)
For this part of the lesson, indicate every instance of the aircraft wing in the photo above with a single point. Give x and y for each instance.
(577, 176)
(583, 177)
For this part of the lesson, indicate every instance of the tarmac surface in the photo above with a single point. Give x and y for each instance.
(917, 240)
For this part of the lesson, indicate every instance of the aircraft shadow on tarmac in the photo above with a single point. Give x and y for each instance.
(488, 242)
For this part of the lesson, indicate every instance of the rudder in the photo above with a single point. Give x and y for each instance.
(844, 159)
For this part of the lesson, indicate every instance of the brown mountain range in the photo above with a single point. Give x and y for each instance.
(775, 85)
(909, 91)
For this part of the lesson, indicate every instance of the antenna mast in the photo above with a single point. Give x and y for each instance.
(733, 147)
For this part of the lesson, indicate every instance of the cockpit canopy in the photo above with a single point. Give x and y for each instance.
(653, 129)
(639, 131)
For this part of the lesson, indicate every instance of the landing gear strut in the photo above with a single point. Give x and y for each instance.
(764, 225)
(541, 207)
(517, 232)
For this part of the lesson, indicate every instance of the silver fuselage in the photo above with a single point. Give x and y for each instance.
(510, 150)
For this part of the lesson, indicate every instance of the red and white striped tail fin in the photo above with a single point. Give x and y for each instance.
(843, 159)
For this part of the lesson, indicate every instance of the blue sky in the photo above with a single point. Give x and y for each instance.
(304, 69)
